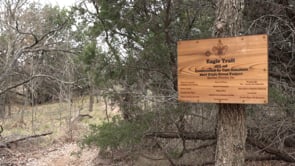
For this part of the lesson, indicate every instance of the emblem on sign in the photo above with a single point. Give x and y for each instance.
(220, 49)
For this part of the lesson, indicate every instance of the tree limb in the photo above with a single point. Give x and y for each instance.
(16, 85)
(278, 154)
(186, 135)
(262, 158)
(31, 78)
(7, 143)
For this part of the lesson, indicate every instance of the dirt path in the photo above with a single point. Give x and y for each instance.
(69, 154)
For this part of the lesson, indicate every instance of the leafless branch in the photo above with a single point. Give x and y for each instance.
(31, 78)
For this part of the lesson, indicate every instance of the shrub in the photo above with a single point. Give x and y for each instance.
(116, 134)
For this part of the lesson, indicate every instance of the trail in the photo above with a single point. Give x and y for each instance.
(68, 154)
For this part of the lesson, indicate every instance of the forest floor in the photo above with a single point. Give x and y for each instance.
(66, 154)
(63, 146)
(62, 155)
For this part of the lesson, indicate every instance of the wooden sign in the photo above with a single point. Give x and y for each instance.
(224, 70)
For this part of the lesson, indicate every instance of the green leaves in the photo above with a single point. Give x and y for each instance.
(116, 134)
(277, 96)
(139, 41)
(89, 54)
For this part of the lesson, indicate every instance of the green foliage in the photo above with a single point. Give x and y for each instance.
(282, 99)
(98, 65)
(138, 63)
(175, 153)
(278, 96)
(116, 134)
(141, 38)
(88, 56)
(55, 16)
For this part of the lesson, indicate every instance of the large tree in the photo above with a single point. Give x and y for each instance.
(231, 127)
(136, 66)
(34, 44)
(140, 45)
(131, 57)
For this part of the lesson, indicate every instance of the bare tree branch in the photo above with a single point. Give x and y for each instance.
(31, 78)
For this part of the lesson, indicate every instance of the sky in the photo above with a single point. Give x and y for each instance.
(61, 3)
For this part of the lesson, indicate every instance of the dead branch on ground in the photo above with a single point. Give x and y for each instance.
(275, 153)
(7, 144)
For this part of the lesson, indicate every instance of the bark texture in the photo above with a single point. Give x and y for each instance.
(228, 22)
(231, 135)
(231, 128)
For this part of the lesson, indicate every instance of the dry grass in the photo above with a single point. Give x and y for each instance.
(60, 147)
(56, 117)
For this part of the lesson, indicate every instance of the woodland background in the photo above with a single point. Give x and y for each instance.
(122, 54)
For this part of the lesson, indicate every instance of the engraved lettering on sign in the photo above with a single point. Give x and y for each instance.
(224, 70)
(222, 60)
(187, 92)
(221, 95)
(219, 90)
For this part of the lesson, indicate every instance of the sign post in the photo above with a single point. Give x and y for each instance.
(224, 70)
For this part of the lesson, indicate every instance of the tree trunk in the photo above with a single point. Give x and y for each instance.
(91, 93)
(91, 100)
(231, 128)
(2, 107)
(231, 135)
